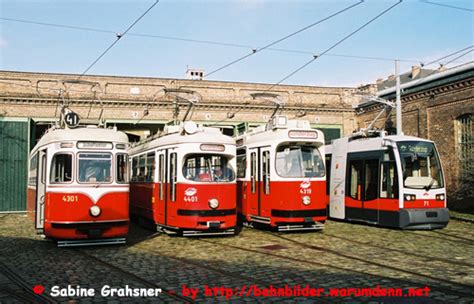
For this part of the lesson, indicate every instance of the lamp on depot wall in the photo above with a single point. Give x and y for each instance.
(300, 113)
(230, 115)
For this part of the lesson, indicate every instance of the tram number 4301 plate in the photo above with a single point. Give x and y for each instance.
(70, 198)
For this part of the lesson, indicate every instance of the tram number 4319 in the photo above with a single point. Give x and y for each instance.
(70, 198)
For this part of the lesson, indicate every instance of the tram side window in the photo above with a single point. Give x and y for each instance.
(173, 176)
(161, 175)
(371, 179)
(61, 168)
(241, 163)
(389, 181)
(355, 179)
(150, 167)
(33, 170)
(253, 172)
(266, 172)
(122, 168)
(134, 169)
(141, 168)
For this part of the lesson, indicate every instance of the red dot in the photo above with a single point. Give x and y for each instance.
(38, 289)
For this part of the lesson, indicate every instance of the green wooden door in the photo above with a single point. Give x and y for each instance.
(14, 151)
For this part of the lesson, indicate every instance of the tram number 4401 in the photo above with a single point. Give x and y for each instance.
(191, 199)
(70, 198)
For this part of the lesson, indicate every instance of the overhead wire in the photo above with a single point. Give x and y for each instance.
(254, 51)
(443, 64)
(447, 5)
(209, 42)
(315, 57)
(119, 36)
(447, 56)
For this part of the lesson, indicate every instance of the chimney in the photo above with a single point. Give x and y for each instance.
(391, 77)
(194, 74)
(415, 71)
(441, 68)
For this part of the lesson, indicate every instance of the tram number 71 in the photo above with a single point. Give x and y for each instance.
(70, 198)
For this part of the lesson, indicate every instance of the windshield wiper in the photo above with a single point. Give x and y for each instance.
(427, 188)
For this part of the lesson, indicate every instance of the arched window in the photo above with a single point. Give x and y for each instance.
(465, 151)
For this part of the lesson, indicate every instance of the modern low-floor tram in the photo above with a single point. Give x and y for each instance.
(183, 181)
(78, 186)
(281, 175)
(386, 180)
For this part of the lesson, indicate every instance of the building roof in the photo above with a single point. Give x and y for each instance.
(391, 81)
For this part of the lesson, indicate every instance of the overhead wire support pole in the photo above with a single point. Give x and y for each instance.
(254, 51)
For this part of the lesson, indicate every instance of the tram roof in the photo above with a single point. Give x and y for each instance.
(88, 133)
(374, 139)
(273, 131)
(176, 135)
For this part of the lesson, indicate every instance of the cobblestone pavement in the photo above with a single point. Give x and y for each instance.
(342, 256)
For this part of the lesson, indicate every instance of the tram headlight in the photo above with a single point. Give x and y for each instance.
(306, 200)
(213, 203)
(95, 211)
(440, 197)
(410, 197)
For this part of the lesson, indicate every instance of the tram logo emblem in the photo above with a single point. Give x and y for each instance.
(305, 185)
(190, 192)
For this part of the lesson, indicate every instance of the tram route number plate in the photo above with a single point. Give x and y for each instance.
(72, 119)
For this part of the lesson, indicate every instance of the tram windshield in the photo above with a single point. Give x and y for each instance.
(95, 167)
(208, 168)
(299, 161)
(421, 165)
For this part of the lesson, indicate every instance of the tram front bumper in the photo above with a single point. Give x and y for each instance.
(424, 218)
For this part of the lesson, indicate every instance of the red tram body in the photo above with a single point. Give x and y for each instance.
(281, 176)
(184, 181)
(392, 181)
(78, 186)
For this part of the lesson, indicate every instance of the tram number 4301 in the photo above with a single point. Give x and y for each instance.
(70, 198)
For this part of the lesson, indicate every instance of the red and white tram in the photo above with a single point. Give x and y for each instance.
(393, 181)
(281, 176)
(184, 181)
(78, 186)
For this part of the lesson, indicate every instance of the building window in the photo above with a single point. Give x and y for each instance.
(465, 151)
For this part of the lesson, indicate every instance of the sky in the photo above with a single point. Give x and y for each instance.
(414, 30)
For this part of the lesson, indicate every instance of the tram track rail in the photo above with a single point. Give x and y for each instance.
(443, 289)
(221, 271)
(135, 277)
(471, 241)
(409, 253)
(27, 294)
(334, 252)
(453, 239)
